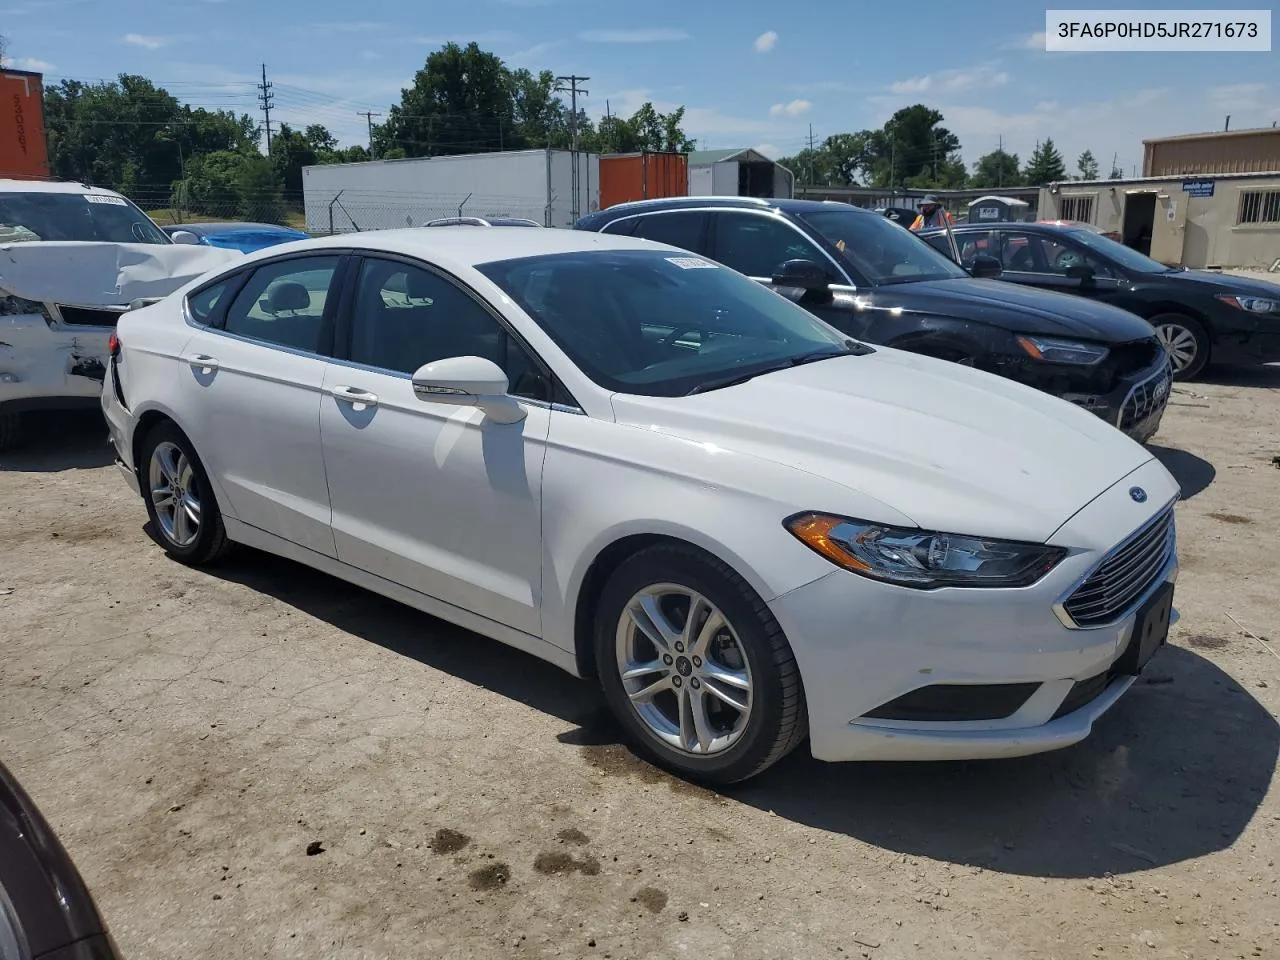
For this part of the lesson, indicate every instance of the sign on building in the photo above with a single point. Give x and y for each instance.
(1198, 188)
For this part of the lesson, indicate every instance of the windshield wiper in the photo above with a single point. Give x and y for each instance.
(853, 349)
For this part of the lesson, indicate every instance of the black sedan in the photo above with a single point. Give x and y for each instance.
(875, 281)
(1199, 315)
(45, 911)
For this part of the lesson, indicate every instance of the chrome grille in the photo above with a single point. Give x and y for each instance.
(1146, 398)
(1124, 575)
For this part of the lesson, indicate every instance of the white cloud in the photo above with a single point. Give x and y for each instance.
(483, 38)
(792, 109)
(710, 127)
(532, 56)
(638, 35)
(766, 41)
(983, 77)
(27, 63)
(144, 41)
(1035, 41)
(770, 150)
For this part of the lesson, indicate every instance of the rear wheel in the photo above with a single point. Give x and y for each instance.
(179, 498)
(1186, 341)
(696, 668)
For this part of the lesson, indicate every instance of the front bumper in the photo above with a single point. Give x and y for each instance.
(43, 366)
(865, 648)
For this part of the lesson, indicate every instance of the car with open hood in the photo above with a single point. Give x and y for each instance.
(854, 270)
(1201, 316)
(645, 468)
(74, 258)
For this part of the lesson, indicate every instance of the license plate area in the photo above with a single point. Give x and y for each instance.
(1150, 631)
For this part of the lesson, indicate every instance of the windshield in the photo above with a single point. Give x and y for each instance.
(75, 216)
(879, 249)
(661, 324)
(1127, 257)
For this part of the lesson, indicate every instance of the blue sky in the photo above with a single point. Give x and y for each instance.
(749, 73)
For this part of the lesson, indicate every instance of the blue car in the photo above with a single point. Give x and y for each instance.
(235, 236)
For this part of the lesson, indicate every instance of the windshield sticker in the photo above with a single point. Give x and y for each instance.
(106, 198)
(691, 263)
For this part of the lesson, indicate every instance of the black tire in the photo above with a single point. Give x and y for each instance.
(777, 721)
(1175, 327)
(10, 429)
(210, 543)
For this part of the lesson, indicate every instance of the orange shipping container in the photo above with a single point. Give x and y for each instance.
(23, 153)
(642, 176)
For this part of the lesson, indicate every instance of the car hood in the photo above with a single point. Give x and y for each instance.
(1017, 308)
(1227, 283)
(953, 448)
(103, 274)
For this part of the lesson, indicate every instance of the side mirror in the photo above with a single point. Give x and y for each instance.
(1080, 271)
(468, 382)
(184, 236)
(805, 274)
(985, 267)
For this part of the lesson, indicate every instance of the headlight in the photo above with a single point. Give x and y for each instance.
(1251, 304)
(1052, 350)
(921, 559)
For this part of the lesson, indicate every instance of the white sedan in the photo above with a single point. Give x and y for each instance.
(651, 470)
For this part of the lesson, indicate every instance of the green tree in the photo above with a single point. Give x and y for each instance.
(1087, 165)
(258, 193)
(999, 168)
(912, 146)
(130, 134)
(1045, 166)
(460, 102)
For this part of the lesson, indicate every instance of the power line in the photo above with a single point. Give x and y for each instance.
(265, 99)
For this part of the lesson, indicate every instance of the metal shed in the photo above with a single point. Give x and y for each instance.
(740, 172)
(996, 209)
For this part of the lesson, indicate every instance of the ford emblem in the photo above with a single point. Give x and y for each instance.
(1138, 494)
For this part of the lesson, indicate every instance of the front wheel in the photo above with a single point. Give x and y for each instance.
(1186, 341)
(179, 498)
(696, 668)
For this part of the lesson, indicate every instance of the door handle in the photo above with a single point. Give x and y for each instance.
(206, 363)
(355, 395)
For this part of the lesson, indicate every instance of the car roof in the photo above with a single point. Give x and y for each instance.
(730, 203)
(469, 247)
(51, 186)
(1033, 227)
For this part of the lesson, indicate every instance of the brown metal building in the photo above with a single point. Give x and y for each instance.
(1254, 150)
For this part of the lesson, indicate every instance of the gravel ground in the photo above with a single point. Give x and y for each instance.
(265, 762)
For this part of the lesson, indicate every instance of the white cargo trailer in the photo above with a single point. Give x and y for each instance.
(386, 194)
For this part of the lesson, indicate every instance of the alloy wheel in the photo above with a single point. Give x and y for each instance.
(173, 492)
(1180, 344)
(684, 669)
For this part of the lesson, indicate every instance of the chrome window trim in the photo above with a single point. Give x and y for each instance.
(771, 214)
(1168, 573)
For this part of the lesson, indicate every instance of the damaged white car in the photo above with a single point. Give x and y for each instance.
(72, 259)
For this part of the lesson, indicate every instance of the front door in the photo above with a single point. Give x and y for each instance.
(255, 390)
(757, 244)
(433, 496)
(1047, 261)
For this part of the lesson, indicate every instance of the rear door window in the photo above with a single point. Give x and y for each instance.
(680, 228)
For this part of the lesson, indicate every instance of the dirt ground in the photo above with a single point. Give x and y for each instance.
(191, 735)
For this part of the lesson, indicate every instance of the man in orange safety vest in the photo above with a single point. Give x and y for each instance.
(931, 214)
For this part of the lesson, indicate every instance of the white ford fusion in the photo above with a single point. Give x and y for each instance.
(651, 470)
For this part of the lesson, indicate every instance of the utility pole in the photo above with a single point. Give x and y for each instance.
(368, 117)
(811, 181)
(1228, 124)
(265, 96)
(1000, 163)
(573, 89)
(1115, 158)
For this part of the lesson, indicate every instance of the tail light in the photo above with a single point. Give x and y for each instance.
(113, 345)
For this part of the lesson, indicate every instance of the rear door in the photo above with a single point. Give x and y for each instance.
(1042, 260)
(254, 384)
